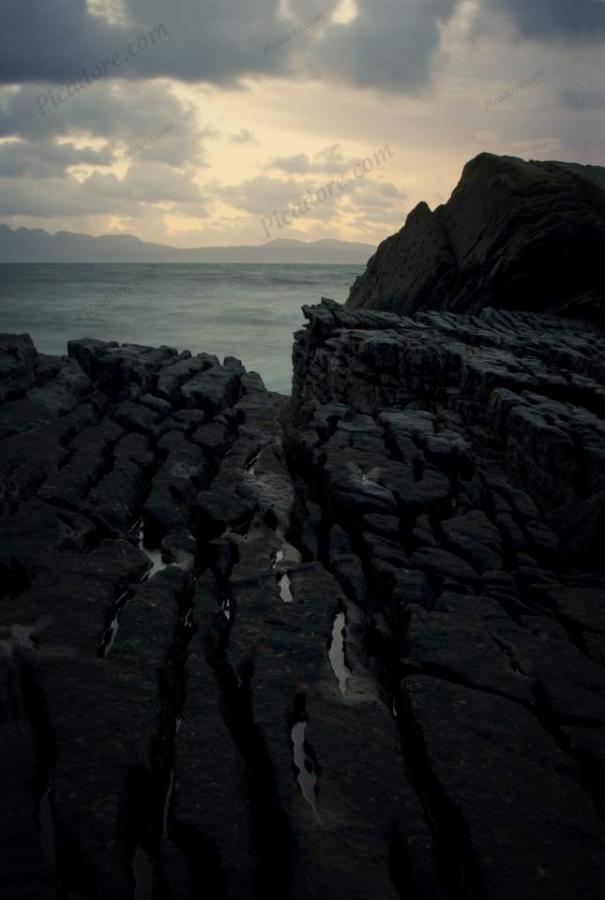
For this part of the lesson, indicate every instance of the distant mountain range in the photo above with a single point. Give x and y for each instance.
(34, 245)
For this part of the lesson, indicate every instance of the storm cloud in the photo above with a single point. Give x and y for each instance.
(562, 20)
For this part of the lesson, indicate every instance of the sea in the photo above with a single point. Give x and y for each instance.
(246, 311)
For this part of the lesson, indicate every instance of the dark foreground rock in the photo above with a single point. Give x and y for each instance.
(514, 235)
(458, 461)
(347, 646)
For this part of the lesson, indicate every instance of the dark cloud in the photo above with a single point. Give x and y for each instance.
(567, 20)
(41, 40)
(42, 160)
(121, 114)
(389, 45)
(203, 40)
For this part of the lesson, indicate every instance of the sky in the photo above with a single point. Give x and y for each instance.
(222, 122)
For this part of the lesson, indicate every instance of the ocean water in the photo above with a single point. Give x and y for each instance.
(247, 311)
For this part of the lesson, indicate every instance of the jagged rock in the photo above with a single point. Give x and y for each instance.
(206, 622)
(219, 509)
(18, 361)
(115, 366)
(171, 502)
(173, 376)
(212, 390)
(88, 460)
(26, 856)
(108, 711)
(435, 640)
(514, 235)
(513, 798)
(135, 417)
(553, 447)
(475, 538)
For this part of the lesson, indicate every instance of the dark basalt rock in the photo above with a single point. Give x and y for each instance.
(347, 645)
(487, 431)
(514, 235)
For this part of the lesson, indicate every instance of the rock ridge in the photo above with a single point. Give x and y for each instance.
(514, 235)
(345, 644)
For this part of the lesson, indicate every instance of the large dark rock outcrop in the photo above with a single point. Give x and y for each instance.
(514, 235)
(459, 461)
(349, 646)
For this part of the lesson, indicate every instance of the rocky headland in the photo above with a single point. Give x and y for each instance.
(514, 235)
(345, 644)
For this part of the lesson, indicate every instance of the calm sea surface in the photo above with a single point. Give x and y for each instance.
(248, 311)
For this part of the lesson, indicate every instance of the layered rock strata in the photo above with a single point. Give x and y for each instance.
(349, 644)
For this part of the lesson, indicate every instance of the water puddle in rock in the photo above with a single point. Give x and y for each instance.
(111, 632)
(226, 608)
(285, 588)
(144, 877)
(47, 827)
(249, 467)
(277, 558)
(153, 555)
(305, 767)
(169, 791)
(170, 788)
(336, 653)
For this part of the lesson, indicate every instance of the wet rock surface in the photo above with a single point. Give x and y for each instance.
(454, 458)
(347, 645)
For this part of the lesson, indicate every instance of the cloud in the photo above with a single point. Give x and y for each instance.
(121, 114)
(568, 20)
(243, 136)
(329, 161)
(41, 40)
(206, 40)
(44, 160)
(37, 161)
(266, 196)
(100, 194)
(586, 99)
(389, 43)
